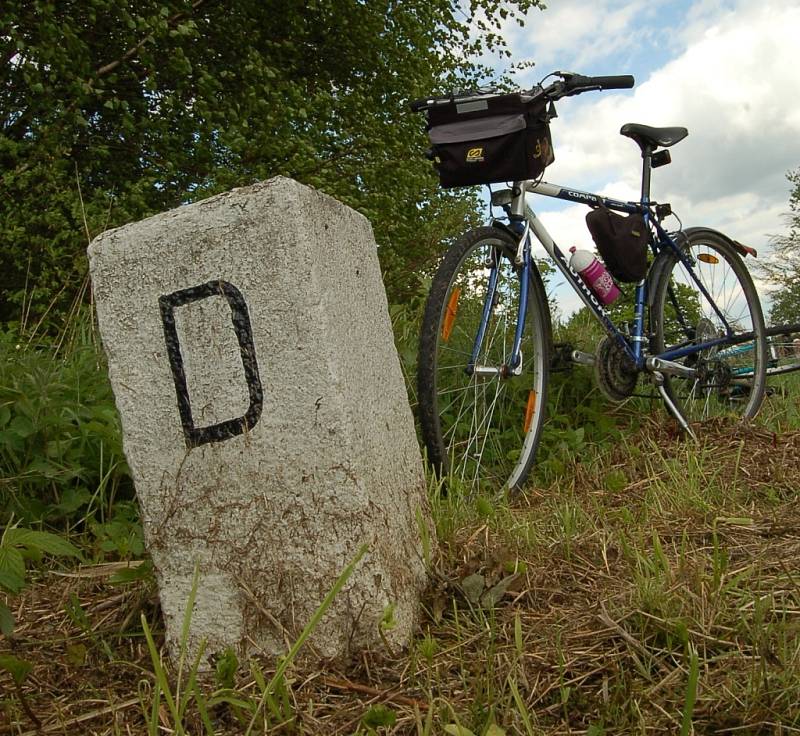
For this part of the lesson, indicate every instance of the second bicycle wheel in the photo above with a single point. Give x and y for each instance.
(783, 349)
(721, 303)
(481, 426)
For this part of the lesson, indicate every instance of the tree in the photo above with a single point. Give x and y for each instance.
(113, 111)
(782, 268)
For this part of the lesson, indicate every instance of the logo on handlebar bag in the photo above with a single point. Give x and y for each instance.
(475, 155)
(542, 149)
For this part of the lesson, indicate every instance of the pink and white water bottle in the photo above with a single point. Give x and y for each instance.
(595, 275)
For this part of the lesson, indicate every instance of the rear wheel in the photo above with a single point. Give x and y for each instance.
(730, 376)
(481, 428)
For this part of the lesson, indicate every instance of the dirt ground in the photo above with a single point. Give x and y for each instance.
(585, 630)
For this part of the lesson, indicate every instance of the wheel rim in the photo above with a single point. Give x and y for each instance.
(724, 382)
(489, 424)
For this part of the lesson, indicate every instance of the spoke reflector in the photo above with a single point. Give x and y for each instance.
(707, 258)
(529, 409)
(450, 313)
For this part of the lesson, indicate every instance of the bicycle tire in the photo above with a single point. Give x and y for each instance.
(681, 315)
(482, 430)
(783, 349)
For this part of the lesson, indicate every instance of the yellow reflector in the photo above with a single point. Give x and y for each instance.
(450, 313)
(529, 409)
(708, 258)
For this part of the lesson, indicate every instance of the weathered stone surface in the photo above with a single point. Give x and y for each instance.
(293, 443)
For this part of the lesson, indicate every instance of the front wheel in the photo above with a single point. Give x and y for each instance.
(481, 429)
(708, 296)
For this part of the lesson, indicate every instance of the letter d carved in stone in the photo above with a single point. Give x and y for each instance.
(240, 317)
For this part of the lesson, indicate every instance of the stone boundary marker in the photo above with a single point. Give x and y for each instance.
(265, 418)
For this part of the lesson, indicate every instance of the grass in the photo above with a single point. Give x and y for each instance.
(651, 588)
(642, 584)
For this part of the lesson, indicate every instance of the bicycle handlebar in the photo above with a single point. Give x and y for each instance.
(425, 102)
(572, 84)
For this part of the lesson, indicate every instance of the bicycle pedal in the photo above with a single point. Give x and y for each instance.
(561, 359)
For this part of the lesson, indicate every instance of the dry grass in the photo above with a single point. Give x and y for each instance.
(608, 589)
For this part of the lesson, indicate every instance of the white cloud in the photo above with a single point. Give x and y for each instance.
(576, 35)
(736, 88)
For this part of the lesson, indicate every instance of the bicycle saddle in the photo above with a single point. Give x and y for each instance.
(645, 135)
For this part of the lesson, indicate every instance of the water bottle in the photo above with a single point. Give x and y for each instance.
(594, 275)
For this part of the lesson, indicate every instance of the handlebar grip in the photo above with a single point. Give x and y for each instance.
(621, 81)
(575, 84)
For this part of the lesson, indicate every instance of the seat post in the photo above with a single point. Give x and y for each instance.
(647, 155)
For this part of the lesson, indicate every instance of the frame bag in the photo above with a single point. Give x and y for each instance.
(622, 242)
(497, 139)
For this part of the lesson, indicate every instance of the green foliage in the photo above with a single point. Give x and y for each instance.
(785, 307)
(691, 691)
(61, 458)
(18, 546)
(782, 268)
(121, 536)
(136, 571)
(578, 419)
(406, 321)
(379, 716)
(19, 669)
(110, 112)
(586, 332)
(455, 729)
(226, 667)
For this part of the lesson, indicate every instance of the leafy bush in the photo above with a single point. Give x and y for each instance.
(61, 460)
(18, 545)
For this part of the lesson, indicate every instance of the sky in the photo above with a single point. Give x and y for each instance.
(727, 70)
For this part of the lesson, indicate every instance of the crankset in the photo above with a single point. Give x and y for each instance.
(615, 372)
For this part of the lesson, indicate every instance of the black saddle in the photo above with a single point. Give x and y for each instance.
(646, 136)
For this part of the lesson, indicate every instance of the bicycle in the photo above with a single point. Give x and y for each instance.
(783, 351)
(486, 337)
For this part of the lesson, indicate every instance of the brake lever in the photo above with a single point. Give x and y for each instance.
(581, 90)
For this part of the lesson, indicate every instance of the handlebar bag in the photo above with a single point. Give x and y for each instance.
(622, 242)
(490, 140)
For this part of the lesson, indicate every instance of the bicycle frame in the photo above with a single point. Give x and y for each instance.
(524, 221)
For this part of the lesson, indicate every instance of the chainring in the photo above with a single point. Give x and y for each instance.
(615, 373)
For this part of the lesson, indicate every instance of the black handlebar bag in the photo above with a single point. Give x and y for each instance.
(497, 139)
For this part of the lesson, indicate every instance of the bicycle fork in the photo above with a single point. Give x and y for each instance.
(522, 261)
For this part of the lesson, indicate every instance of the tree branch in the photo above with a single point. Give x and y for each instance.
(131, 52)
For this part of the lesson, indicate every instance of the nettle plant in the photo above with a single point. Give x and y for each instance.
(18, 547)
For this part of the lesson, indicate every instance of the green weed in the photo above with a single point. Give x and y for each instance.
(61, 460)
(18, 546)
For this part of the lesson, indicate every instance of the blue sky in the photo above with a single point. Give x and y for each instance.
(727, 70)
